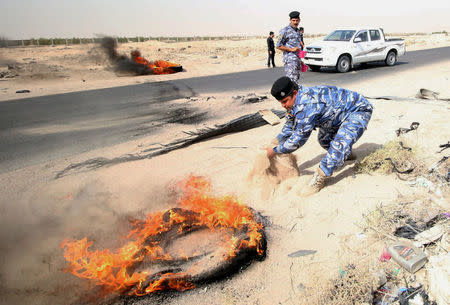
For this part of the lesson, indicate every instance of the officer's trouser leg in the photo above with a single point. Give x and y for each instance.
(341, 146)
(325, 136)
(292, 69)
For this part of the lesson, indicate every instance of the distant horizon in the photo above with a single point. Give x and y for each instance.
(199, 36)
(27, 19)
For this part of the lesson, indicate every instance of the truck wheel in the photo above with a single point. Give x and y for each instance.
(314, 68)
(391, 58)
(343, 64)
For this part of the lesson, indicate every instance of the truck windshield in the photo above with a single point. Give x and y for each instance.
(340, 35)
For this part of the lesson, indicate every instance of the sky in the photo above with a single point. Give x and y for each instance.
(25, 19)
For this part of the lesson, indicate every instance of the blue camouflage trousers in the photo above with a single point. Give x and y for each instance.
(339, 141)
(293, 68)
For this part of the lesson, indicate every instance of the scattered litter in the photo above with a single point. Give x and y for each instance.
(249, 98)
(380, 279)
(8, 74)
(412, 227)
(194, 99)
(391, 294)
(444, 147)
(439, 278)
(441, 169)
(23, 91)
(408, 231)
(427, 94)
(413, 126)
(406, 171)
(431, 235)
(361, 236)
(422, 182)
(230, 147)
(301, 286)
(407, 256)
(414, 296)
(404, 147)
(385, 256)
(385, 295)
(302, 253)
(269, 117)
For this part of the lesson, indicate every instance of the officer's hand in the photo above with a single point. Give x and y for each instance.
(270, 153)
(270, 52)
(296, 49)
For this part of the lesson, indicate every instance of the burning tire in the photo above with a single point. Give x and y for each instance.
(161, 255)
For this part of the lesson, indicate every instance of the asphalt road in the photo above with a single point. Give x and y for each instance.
(40, 129)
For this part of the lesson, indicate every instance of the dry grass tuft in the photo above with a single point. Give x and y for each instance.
(354, 284)
(386, 218)
(403, 156)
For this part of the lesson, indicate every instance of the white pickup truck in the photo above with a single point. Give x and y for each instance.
(345, 48)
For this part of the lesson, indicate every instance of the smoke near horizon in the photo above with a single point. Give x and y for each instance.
(122, 63)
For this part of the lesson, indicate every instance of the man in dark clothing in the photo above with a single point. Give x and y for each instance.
(271, 50)
(302, 43)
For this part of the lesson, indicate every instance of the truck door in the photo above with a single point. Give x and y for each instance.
(378, 46)
(361, 47)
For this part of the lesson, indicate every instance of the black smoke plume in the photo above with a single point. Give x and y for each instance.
(121, 62)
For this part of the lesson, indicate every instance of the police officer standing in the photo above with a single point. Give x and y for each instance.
(289, 43)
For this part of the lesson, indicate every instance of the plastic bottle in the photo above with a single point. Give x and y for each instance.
(407, 256)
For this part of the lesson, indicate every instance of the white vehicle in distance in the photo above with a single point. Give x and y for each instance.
(345, 48)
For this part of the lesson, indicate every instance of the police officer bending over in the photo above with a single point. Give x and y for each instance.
(340, 114)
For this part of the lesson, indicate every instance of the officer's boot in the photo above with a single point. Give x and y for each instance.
(351, 157)
(315, 185)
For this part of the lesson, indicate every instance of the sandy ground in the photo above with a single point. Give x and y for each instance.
(39, 211)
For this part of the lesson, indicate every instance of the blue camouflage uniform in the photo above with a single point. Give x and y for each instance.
(290, 37)
(341, 115)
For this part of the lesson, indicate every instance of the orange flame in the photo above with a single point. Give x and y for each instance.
(198, 208)
(157, 66)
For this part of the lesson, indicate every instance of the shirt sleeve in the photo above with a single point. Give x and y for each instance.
(287, 129)
(282, 40)
(304, 125)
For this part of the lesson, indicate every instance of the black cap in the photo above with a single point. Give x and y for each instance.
(294, 14)
(283, 87)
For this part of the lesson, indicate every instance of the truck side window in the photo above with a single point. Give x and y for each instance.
(362, 35)
(374, 35)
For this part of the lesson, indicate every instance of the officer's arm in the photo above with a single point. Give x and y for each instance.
(287, 129)
(282, 41)
(303, 128)
(284, 48)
